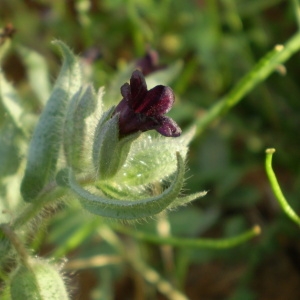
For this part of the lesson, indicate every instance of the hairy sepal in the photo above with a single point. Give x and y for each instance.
(109, 151)
(82, 105)
(129, 210)
(47, 136)
(152, 159)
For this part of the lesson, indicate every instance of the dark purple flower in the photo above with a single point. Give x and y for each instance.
(142, 110)
(149, 63)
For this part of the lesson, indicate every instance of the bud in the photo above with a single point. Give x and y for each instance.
(109, 150)
(81, 106)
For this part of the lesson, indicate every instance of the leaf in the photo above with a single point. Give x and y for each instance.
(9, 152)
(38, 73)
(47, 137)
(10, 102)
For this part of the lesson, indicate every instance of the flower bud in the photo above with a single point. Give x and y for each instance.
(81, 106)
(109, 150)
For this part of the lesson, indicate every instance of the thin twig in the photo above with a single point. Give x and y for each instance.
(277, 190)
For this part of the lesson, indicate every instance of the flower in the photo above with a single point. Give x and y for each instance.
(142, 110)
(149, 62)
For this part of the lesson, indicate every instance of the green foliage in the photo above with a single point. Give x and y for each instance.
(47, 137)
(82, 105)
(136, 209)
(213, 55)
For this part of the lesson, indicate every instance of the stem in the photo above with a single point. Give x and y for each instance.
(154, 278)
(15, 241)
(297, 11)
(193, 243)
(51, 193)
(150, 275)
(260, 72)
(277, 190)
(50, 196)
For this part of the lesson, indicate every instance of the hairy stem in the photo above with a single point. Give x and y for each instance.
(52, 194)
(16, 242)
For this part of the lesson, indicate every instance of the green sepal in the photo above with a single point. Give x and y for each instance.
(106, 139)
(81, 106)
(113, 189)
(109, 151)
(152, 159)
(129, 210)
(47, 136)
(38, 280)
(98, 136)
(186, 199)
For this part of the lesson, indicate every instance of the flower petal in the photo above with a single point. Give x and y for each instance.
(169, 127)
(130, 122)
(125, 91)
(158, 101)
(138, 88)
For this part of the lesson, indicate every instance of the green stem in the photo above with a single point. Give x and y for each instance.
(51, 193)
(223, 243)
(277, 190)
(31, 210)
(297, 11)
(16, 242)
(259, 73)
(133, 258)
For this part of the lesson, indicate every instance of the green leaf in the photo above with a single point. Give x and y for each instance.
(9, 152)
(10, 103)
(187, 199)
(47, 137)
(128, 210)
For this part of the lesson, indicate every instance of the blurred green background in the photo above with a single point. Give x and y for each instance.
(217, 41)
